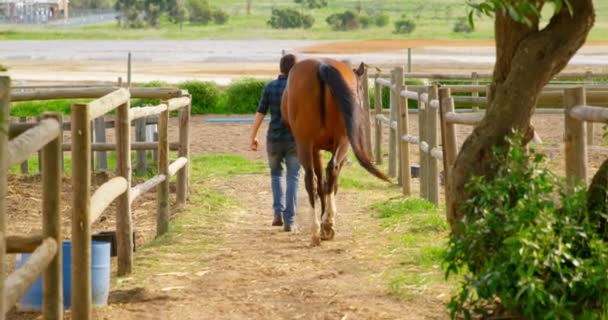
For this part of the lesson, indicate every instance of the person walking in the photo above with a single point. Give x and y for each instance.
(281, 148)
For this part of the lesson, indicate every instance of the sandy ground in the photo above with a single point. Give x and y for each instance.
(32, 62)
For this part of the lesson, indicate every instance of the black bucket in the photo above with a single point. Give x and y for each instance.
(110, 236)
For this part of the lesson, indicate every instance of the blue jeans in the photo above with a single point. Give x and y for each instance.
(284, 203)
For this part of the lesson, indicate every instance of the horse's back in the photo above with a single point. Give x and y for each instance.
(309, 110)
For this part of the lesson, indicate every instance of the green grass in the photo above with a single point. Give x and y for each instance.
(434, 20)
(202, 215)
(222, 165)
(417, 232)
(35, 108)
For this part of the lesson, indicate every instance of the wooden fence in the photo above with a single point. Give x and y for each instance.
(146, 137)
(437, 113)
(86, 210)
(46, 249)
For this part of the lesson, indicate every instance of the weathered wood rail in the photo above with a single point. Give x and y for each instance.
(45, 248)
(86, 209)
(437, 113)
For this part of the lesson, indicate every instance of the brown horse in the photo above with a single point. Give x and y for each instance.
(322, 107)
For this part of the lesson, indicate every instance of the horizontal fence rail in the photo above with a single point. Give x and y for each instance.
(32, 94)
(20, 148)
(437, 111)
(47, 136)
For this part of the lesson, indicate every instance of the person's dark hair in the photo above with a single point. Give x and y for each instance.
(287, 62)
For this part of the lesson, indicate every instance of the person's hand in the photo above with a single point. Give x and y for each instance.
(254, 144)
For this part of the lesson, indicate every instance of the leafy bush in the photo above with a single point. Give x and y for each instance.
(462, 26)
(381, 20)
(528, 247)
(36, 108)
(289, 18)
(220, 16)
(312, 4)
(200, 11)
(205, 95)
(365, 21)
(404, 25)
(243, 96)
(347, 20)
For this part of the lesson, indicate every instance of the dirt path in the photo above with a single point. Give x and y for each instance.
(255, 271)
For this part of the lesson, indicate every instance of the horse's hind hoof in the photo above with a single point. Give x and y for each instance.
(316, 241)
(327, 232)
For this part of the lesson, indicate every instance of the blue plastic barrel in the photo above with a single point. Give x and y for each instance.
(100, 278)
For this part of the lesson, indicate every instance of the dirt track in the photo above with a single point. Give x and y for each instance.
(221, 61)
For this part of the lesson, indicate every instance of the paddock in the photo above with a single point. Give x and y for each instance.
(216, 141)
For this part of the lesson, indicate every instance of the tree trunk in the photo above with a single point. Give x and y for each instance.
(597, 196)
(526, 59)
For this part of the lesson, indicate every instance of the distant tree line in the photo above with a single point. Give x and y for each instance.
(148, 13)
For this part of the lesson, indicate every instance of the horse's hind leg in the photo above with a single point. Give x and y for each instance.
(332, 171)
(318, 169)
(306, 158)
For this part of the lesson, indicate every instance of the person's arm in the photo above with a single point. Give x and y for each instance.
(259, 117)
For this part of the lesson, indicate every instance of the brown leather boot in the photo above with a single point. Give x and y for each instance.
(278, 221)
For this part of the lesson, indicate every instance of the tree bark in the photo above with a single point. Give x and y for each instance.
(526, 59)
(597, 197)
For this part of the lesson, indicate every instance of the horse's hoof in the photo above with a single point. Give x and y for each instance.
(316, 241)
(327, 232)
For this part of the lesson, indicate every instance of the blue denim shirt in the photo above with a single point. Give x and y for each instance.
(271, 99)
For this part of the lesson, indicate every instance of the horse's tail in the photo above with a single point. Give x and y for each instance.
(351, 112)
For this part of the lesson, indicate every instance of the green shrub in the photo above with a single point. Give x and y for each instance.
(243, 96)
(365, 21)
(200, 11)
(205, 96)
(528, 247)
(289, 18)
(220, 16)
(381, 20)
(36, 108)
(312, 4)
(404, 25)
(347, 20)
(462, 26)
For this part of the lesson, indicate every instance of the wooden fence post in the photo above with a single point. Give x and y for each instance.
(24, 164)
(5, 92)
(39, 152)
(403, 129)
(184, 151)
(100, 136)
(124, 221)
(152, 136)
(392, 137)
(475, 93)
(81, 227)
(162, 224)
(590, 125)
(142, 155)
(395, 103)
(431, 138)
(378, 111)
(575, 142)
(52, 280)
(366, 107)
(422, 107)
(449, 143)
